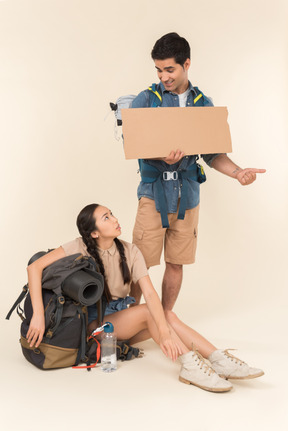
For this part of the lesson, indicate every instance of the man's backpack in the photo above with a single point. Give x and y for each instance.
(68, 286)
(125, 102)
(155, 100)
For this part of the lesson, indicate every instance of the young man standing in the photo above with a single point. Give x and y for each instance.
(163, 203)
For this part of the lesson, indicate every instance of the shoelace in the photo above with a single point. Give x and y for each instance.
(202, 363)
(233, 358)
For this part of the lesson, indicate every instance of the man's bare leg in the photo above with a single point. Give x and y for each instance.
(171, 285)
(136, 292)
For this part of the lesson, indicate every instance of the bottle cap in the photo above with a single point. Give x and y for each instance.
(109, 327)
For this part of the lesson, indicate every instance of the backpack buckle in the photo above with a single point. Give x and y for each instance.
(168, 175)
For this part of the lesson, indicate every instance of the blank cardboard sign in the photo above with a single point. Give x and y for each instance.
(154, 132)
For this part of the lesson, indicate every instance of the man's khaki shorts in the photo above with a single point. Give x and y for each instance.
(179, 240)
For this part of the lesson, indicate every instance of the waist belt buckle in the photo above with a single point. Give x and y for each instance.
(170, 175)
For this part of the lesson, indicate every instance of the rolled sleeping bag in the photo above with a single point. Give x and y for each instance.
(84, 286)
(37, 256)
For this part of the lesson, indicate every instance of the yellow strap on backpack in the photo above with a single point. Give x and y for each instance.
(197, 98)
(156, 93)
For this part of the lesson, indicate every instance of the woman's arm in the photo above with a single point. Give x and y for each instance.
(167, 344)
(37, 325)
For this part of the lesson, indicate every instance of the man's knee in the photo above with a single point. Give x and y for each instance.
(174, 267)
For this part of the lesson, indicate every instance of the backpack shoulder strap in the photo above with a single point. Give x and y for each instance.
(18, 300)
(155, 96)
(200, 99)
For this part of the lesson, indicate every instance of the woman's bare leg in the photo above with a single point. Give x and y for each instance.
(188, 336)
(141, 336)
(137, 324)
(138, 320)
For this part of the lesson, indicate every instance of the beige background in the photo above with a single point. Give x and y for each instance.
(62, 62)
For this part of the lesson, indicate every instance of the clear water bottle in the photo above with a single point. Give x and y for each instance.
(108, 349)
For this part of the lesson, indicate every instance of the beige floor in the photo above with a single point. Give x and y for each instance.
(145, 393)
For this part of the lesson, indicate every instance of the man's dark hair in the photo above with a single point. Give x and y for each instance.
(171, 45)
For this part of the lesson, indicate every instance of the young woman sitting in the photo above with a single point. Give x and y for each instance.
(121, 263)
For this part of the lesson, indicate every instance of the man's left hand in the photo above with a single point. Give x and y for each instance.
(248, 176)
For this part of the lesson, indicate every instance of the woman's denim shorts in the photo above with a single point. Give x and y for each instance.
(112, 307)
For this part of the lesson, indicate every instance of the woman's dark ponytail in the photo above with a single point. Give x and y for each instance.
(123, 262)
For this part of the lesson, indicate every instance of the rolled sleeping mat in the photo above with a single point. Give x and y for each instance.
(84, 286)
(36, 256)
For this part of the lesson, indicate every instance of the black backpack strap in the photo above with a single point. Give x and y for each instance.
(58, 316)
(18, 300)
(125, 352)
(81, 356)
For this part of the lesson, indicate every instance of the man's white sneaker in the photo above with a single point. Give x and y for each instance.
(195, 371)
(230, 367)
